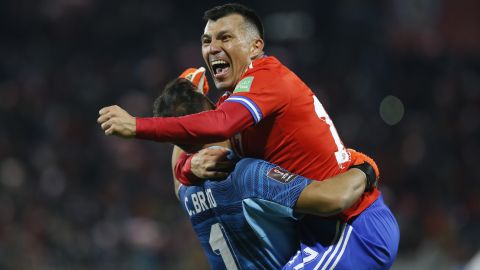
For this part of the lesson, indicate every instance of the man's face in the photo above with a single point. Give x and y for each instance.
(226, 50)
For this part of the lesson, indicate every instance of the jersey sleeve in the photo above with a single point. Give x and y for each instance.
(200, 128)
(262, 93)
(183, 170)
(182, 193)
(259, 179)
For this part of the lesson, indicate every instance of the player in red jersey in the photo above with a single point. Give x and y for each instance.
(272, 114)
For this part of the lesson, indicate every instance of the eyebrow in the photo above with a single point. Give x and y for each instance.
(204, 36)
(221, 33)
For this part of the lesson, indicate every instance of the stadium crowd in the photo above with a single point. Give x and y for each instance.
(400, 78)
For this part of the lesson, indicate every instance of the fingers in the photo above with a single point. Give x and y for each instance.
(216, 159)
(116, 121)
(110, 131)
(211, 163)
(104, 110)
(110, 110)
(106, 113)
(106, 119)
(107, 109)
(103, 118)
(106, 125)
(218, 152)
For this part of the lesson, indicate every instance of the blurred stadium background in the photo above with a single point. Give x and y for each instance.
(401, 79)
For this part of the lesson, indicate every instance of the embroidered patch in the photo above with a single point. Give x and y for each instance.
(281, 175)
(244, 85)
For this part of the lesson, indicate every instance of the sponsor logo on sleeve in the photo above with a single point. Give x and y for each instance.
(244, 85)
(281, 175)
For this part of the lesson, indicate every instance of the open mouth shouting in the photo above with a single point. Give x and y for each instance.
(220, 69)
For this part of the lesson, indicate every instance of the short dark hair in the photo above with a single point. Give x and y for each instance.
(179, 98)
(233, 8)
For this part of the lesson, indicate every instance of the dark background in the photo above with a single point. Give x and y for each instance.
(71, 198)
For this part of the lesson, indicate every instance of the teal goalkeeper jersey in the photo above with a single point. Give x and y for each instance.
(246, 221)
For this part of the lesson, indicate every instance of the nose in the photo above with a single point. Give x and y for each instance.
(214, 47)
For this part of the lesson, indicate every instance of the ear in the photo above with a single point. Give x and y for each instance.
(256, 49)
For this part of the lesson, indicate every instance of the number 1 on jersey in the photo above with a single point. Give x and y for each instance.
(341, 155)
(220, 246)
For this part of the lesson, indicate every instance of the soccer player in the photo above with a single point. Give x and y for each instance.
(271, 113)
(248, 221)
(274, 116)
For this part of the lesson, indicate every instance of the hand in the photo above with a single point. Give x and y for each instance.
(116, 121)
(359, 158)
(212, 163)
(368, 166)
(197, 77)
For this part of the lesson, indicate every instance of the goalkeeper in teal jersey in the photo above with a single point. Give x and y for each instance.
(245, 221)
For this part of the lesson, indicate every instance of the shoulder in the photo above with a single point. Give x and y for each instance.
(262, 73)
(263, 66)
(246, 169)
(245, 176)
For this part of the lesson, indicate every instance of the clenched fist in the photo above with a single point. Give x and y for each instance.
(116, 121)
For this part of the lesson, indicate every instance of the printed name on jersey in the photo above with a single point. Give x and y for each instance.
(281, 175)
(201, 201)
(244, 85)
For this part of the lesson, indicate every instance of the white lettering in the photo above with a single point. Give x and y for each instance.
(196, 205)
(201, 201)
(210, 198)
(201, 198)
(341, 155)
(190, 212)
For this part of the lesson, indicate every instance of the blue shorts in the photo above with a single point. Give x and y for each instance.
(369, 241)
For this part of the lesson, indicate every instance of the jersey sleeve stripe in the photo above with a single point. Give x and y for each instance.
(249, 104)
(339, 245)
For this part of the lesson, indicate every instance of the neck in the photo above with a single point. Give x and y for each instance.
(261, 55)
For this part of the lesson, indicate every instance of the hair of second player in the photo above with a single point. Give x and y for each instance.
(179, 98)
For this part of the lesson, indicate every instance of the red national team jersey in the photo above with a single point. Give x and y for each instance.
(292, 128)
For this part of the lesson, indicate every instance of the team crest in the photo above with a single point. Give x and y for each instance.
(244, 85)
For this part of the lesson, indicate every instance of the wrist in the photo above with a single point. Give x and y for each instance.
(371, 178)
(187, 176)
(140, 127)
(146, 127)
